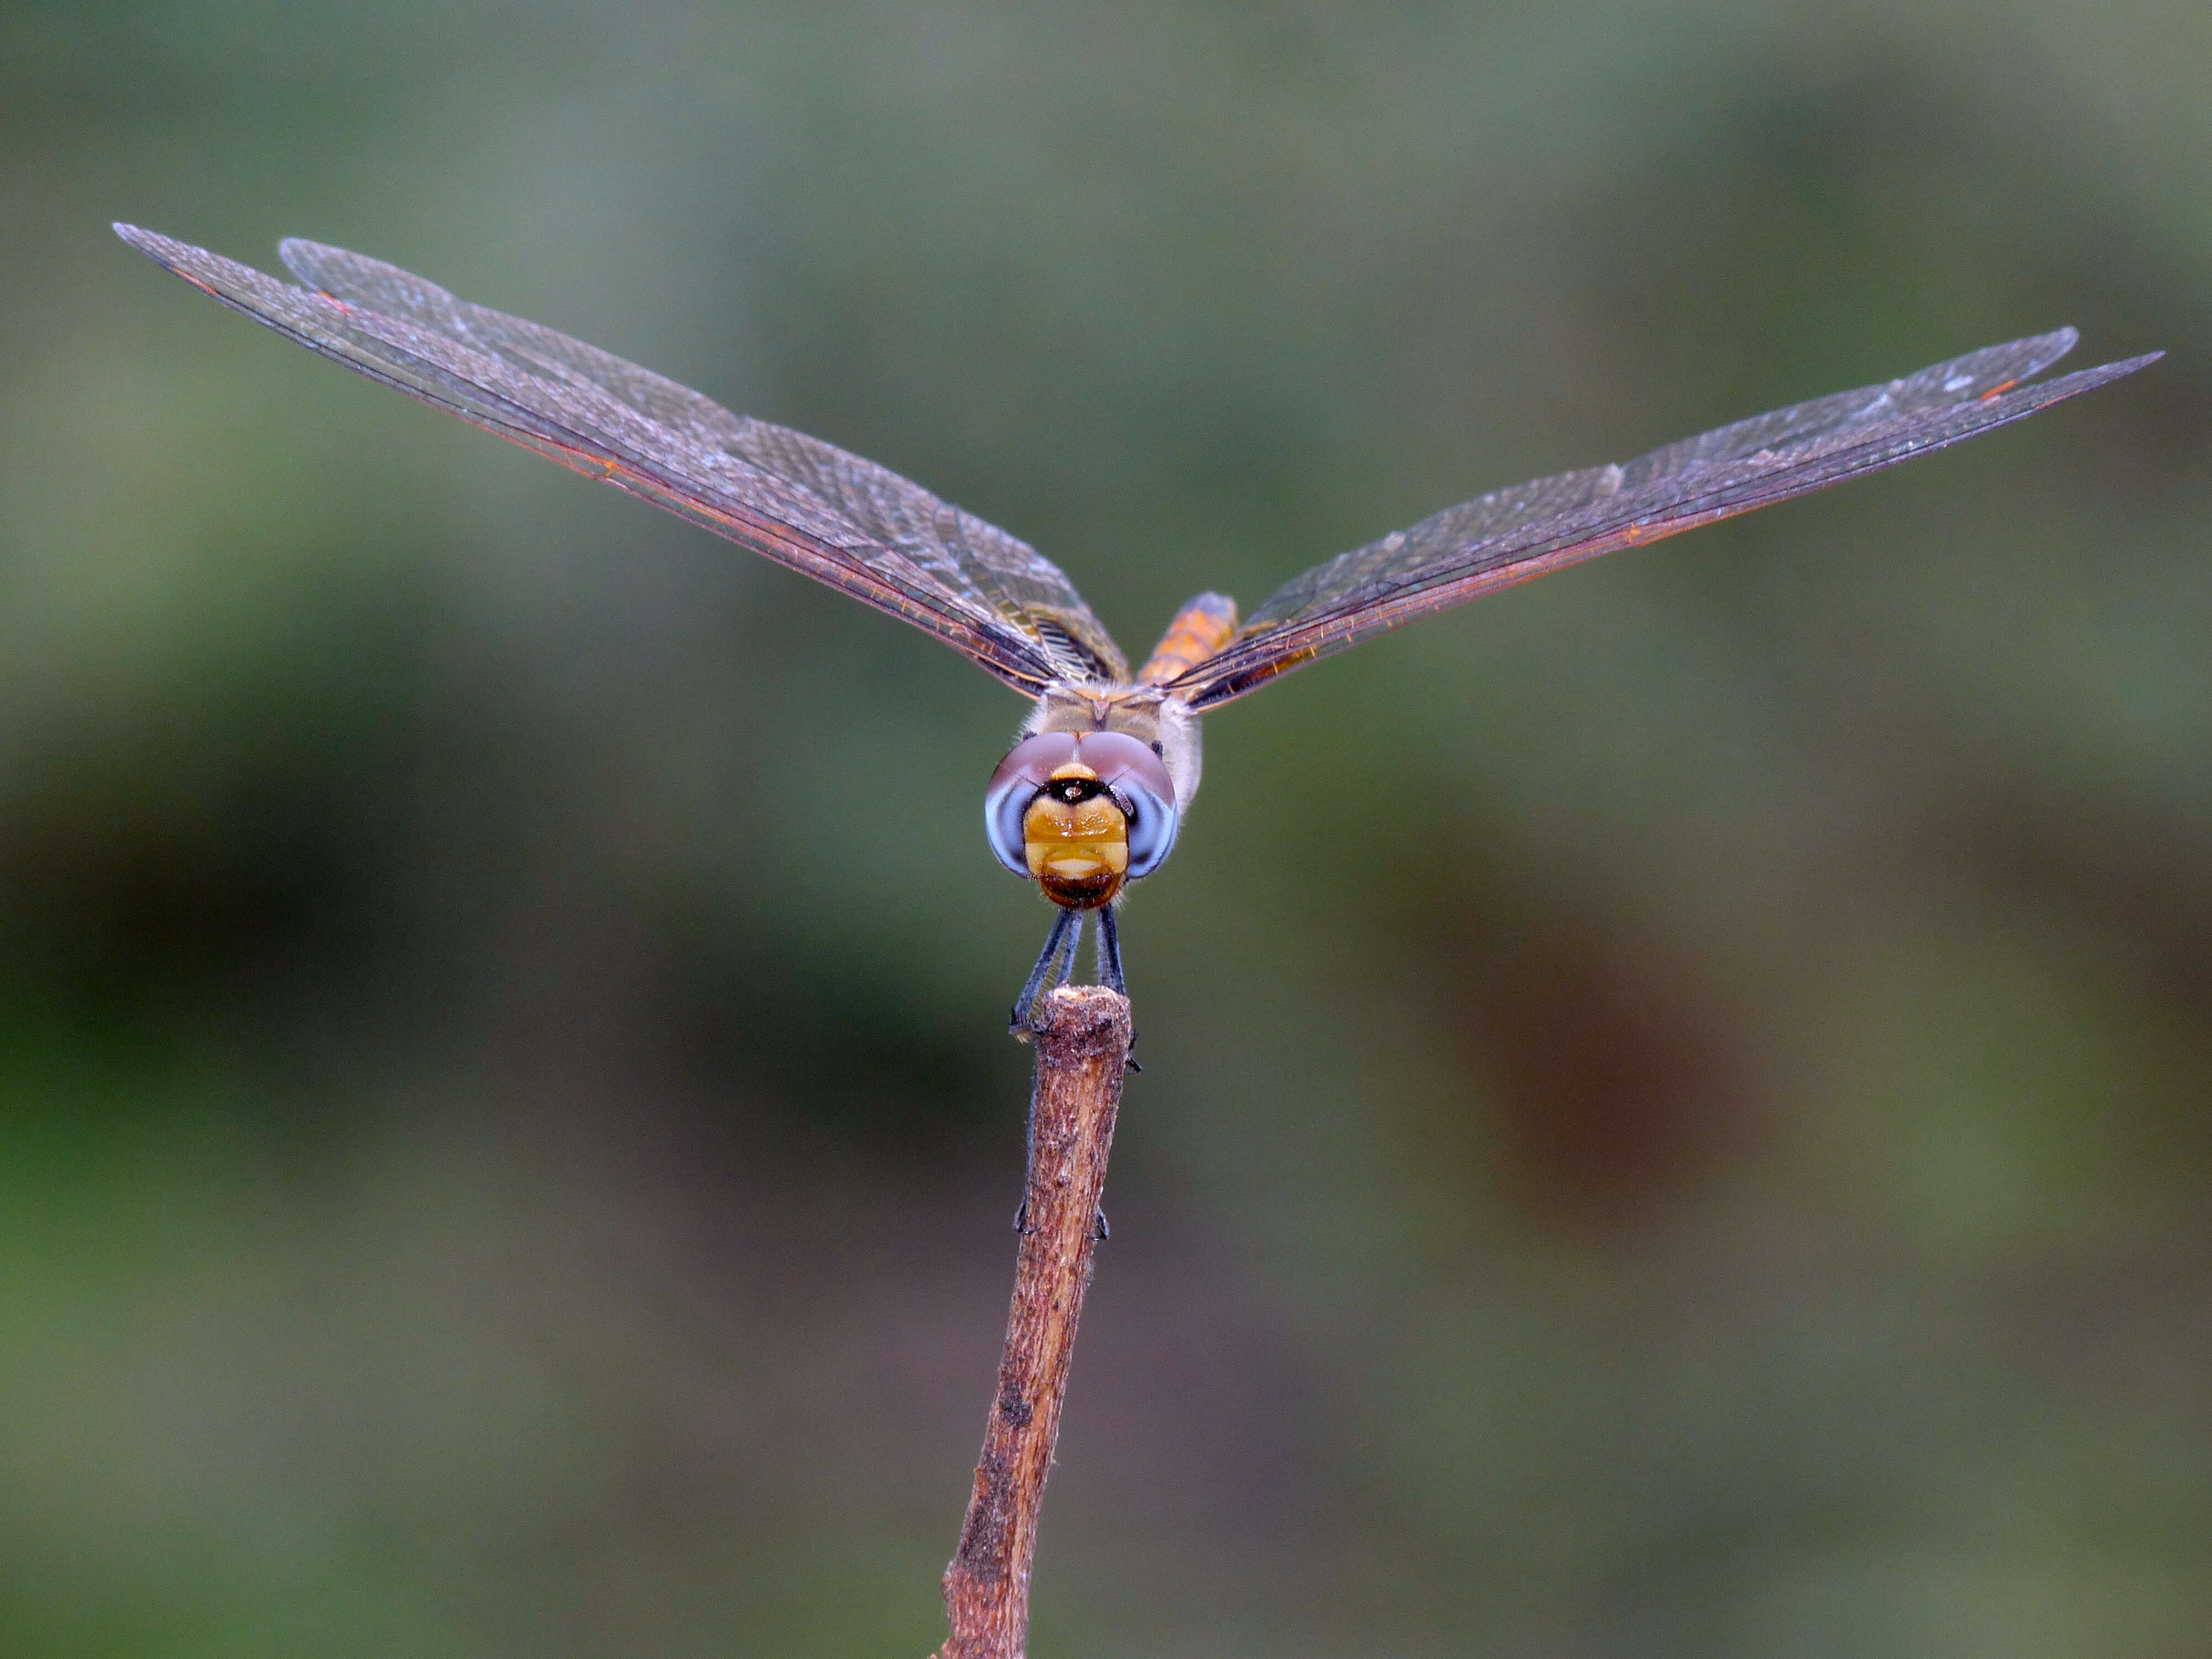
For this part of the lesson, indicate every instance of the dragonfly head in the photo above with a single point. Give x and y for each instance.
(1080, 813)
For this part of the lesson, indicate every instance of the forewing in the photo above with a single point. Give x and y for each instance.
(955, 545)
(963, 552)
(1513, 534)
(642, 434)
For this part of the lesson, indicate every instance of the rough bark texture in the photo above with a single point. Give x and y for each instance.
(1080, 1058)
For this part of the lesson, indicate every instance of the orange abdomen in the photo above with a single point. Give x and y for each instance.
(1200, 628)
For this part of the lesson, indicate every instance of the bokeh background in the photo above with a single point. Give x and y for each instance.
(1676, 1114)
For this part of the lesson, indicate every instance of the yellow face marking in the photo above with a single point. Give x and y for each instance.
(1077, 851)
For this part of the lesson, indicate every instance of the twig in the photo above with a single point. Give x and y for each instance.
(1080, 1053)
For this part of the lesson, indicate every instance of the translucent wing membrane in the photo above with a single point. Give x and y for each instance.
(833, 516)
(961, 550)
(1513, 534)
(859, 527)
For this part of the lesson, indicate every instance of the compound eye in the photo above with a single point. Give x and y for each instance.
(1028, 767)
(1139, 781)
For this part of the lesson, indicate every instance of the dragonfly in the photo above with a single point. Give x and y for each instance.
(1090, 796)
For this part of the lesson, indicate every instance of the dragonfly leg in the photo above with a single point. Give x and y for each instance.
(1109, 973)
(1066, 972)
(1066, 930)
(1110, 953)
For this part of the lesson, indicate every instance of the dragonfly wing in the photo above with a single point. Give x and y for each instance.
(1513, 534)
(960, 550)
(954, 545)
(659, 447)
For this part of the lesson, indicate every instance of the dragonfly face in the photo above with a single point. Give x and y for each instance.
(1091, 798)
(1080, 813)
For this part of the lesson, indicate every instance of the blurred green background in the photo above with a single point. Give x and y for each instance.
(1675, 1110)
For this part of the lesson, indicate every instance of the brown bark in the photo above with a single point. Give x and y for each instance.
(1080, 1055)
